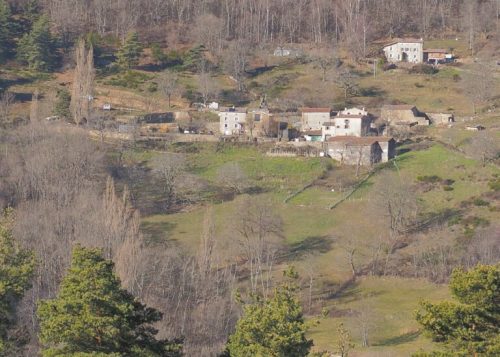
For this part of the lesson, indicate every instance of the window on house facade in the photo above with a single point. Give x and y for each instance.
(225, 125)
(235, 125)
(346, 124)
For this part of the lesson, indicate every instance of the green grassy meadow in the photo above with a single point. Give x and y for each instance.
(316, 236)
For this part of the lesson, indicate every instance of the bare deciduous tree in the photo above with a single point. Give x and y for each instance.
(34, 106)
(398, 203)
(325, 60)
(346, 81)
(207, 86)
(169, 85)
(484, 146)
(232, 176)
(365, 322)
(209, 32)
(235, 62)
(169, 167)
(478, 84)
(259, 234)
(6, 102)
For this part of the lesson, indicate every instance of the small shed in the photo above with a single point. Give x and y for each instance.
(441, 118)
(312, 135)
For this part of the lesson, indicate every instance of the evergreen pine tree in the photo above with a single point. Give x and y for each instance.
(470, 326)
(36, 49)
(93, 316)
(130, 52)
(272, 327)
(158, 55)
(5, 33)
(16, 269)
(62, 107)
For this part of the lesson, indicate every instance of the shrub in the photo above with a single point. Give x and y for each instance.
(129, 79)
(447, 188)
(494, 185)
(152, 87)
(423, 69)
(429, 179)
(448, 182)
(389, 66)
(480, 202)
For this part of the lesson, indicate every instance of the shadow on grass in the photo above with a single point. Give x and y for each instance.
(6, 83)
(235, 97)
(24, 97)
(372, 92)
(402, 151)
(404, 338)
(254, 72)
(310, 245)
(157, 232)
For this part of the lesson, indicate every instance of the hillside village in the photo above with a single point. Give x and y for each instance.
(312, 125)
(249, 178)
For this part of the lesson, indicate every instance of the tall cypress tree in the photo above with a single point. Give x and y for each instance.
(93, 315)
(37, 48)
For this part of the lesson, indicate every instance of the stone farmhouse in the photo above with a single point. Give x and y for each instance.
(405, 50)
(313, 118)
(365, 151)
(403, 115)
(441, 118)
(285, 52)
(232, 120)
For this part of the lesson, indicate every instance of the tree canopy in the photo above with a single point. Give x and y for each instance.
(5, 32)
(16, 269)
(130, 52)
(93, 316)
(470, 326)
(272, 327)
(37, 48)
